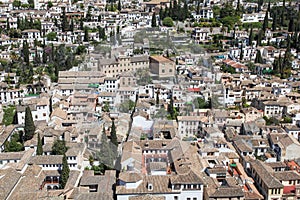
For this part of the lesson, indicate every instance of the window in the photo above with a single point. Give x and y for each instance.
(162, 71)
(175, 197)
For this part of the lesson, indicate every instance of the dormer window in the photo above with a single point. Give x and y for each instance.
(147, 144)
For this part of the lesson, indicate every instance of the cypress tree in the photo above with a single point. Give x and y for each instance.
(25, 52)
(81, 23)
(64, 21)
(258, 58)
(86, 34)
(269, 6)
(72, 25)
(157, 97)
(251, 36)
(259, 38)
(266, 20)
(65, 171)
(7, 24)
(106, 154)
(113, 134)
(242, 53)
(153, 20)
(274, 22)
(291, 27)
(119, 5)
(29, 125)
(39, 150)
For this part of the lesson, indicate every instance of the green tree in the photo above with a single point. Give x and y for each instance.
(26, 52)
(119, 6)
(65, 172)
(29, 125)
(153, 20)
(14, 145)
(167, 21)
(171, 110)
(126, 106)
(64, 21)
(108, 151)
(86, 34)
(259, 37)
(59, 147)
(113, 134)
(39, 150)
(258, 57)
(266, 22)
(105, 107)
(7, 24)
(88, 14)
(16, 4)
(241, 53)
(251, 36)
(9, 113)
(274, 23)
(31, 3)
(200, 103)
(49, 4)
(101, 33)
(51, 36)
(72, 25)
(157, 97)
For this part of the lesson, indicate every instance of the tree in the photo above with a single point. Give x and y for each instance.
(266, 22)
(31, 3)
(258, 58)
(274, 23)
(101, 33)
(65, 172)
(64, 20)
(16, 4)
(171, 110)
(167, 21)
(119, 6)
(153, 20)
(157, 97)
(26, 52)
(113, 134)
(72, 25)
(15, 144)
(200, 103)
(39, 150)
(7, 24)
(259, 37)
(88, 14)
(126, 106)
(251, 36)
(59, 147)
(241, 53)
(105, 107)
(107, 153)
(81, 23)
(29, 125)
(49, 4)
(86, 34)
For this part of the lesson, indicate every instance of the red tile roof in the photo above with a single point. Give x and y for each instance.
(289, 189)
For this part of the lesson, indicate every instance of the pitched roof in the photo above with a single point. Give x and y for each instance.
(265, 174)
(46, 159)
(58, 112)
